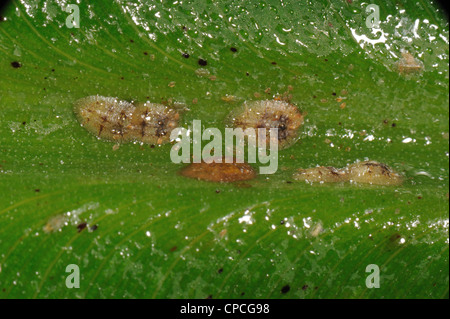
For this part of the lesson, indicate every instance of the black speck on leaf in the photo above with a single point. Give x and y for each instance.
(16, 64)
(285, 289)
(202, 62)
(81, 226)
(233, 49)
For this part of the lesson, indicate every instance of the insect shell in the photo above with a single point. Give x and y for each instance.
(372, 172)
(321, 174)
(408, 64)
(121, 121)
(269, 114)
(366, 172)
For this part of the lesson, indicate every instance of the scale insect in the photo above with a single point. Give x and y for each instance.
(116, 120)
(366, 172)
(269, 114)
(219, 172)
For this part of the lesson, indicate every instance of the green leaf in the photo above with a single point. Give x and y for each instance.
(161, 235)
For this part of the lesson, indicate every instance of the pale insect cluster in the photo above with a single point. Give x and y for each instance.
(117, 120)
(269, 114)
(366, 172)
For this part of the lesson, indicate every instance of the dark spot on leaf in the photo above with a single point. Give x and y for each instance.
(282, 222)
(247, 74)
(217, 191)
(288, 182)
(93, 228)
(16, 64)
(314, 96)
(132, 41)
(53, 70)
(2, 19)
(121, 77)
(81, 226)
(419, 197)
(334, 93)
(326, 60)
(242, 293)
(305, 287)
(185, 55)
(37, 190)
(152, 146)
(202, 62)
(173, 248)
(23, 123)
(220, 270)
(145, 53)
(274, 63)
(394, 125)
(285, 289)
(233, 49)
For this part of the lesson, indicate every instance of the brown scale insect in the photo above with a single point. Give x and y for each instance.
(269, 114)
(219, 172)
(121, 121)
